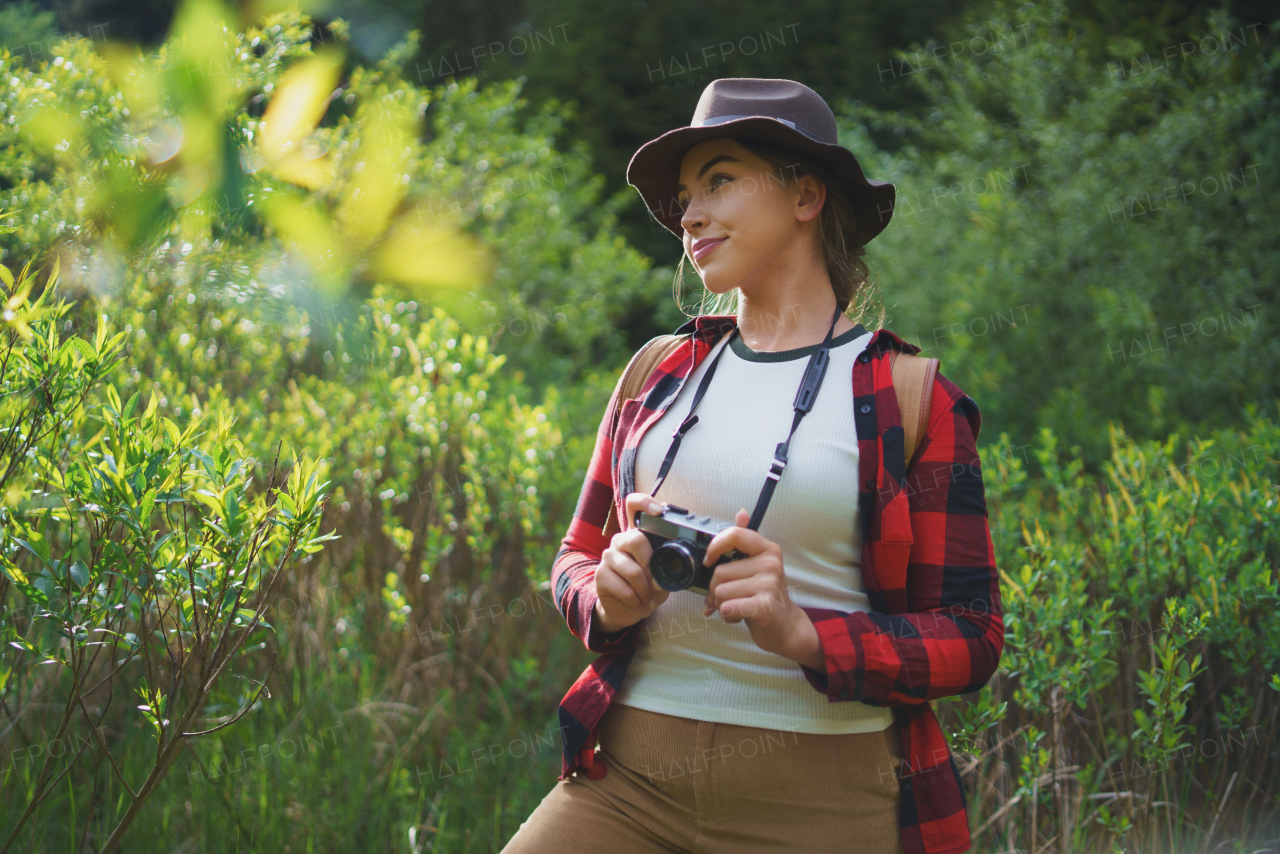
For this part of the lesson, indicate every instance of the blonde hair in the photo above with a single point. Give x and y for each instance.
(837, 230)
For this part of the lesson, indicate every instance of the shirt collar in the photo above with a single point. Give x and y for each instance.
(710, 327)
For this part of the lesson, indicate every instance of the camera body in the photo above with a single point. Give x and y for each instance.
(680, 539)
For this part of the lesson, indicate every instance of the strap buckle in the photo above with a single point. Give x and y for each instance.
(775, 470)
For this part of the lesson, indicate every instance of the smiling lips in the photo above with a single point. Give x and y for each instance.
(703, 246)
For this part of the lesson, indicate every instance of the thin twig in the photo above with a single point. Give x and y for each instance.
(1221, 803)
(102, 745)
(262, 686)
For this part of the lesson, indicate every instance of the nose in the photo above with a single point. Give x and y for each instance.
(694, 215)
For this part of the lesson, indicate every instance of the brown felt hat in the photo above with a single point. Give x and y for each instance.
(774, 110)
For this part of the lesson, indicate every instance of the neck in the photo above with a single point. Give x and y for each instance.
(791, 312)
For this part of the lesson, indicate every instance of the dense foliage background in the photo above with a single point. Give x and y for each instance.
(266, 242)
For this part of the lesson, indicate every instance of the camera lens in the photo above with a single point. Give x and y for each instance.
(673, 565)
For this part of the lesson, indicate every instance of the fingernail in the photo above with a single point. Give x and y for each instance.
(654, 584)
(655, 507)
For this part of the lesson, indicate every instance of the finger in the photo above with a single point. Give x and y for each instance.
(755, 606)
(637, 545)
(744, 540)
(634, 543)
(613, 587)
(643, 502)
(728, 591)
(631, 573)
(635, 575)
(734, 570)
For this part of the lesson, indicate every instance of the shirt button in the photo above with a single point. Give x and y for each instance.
(844, 693)
(866, 407)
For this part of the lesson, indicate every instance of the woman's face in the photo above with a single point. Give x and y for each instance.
(741, 222)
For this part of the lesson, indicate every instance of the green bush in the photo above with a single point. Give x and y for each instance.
(432, 460)
(1083, 242)
(142, 545)
(1142, 634)
(24, 24)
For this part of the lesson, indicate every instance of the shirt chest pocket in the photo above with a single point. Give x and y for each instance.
(893, 550)
(895, 521)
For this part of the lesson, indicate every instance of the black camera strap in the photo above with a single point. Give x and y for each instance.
(805, 395)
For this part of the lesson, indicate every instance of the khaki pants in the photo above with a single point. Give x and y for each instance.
(676, 784)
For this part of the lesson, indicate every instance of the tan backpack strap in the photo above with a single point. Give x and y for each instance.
(642, 364)
(913, 383)
(650, 356)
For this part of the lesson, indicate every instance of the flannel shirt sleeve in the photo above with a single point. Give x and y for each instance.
(949, 637)
(573, 570)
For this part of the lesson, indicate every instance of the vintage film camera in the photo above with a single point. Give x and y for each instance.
(680, 539)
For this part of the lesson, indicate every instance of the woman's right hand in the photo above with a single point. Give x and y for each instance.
(625, 590)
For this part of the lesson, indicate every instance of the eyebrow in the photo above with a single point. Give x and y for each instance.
(712, 162)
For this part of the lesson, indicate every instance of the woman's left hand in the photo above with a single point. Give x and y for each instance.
(754, 589)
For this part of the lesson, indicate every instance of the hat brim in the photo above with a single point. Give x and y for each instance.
(655, 168)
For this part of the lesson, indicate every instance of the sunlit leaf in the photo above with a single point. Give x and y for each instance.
(375, 191)
(299, 102)
(205, 68)
(312, 173)
(14, 574)
(429, 255)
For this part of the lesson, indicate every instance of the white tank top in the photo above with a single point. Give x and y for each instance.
(701, 667)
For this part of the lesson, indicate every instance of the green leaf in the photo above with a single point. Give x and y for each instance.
(247, 615)
(153, 466)
(209, 465)
(43, 559)
(79, 574)
(233, 513)
(14, 574)
(85, 349)
(146, 505)
(172, 429)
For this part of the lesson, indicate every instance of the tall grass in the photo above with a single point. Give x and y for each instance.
(1135, 709)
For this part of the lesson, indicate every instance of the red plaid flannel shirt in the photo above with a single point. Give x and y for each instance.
(928, 565)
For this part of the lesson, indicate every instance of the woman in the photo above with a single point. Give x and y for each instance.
(787, 708)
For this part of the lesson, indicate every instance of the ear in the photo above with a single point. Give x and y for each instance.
(811, 195)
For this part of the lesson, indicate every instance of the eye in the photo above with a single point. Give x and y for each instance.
(712, 183)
